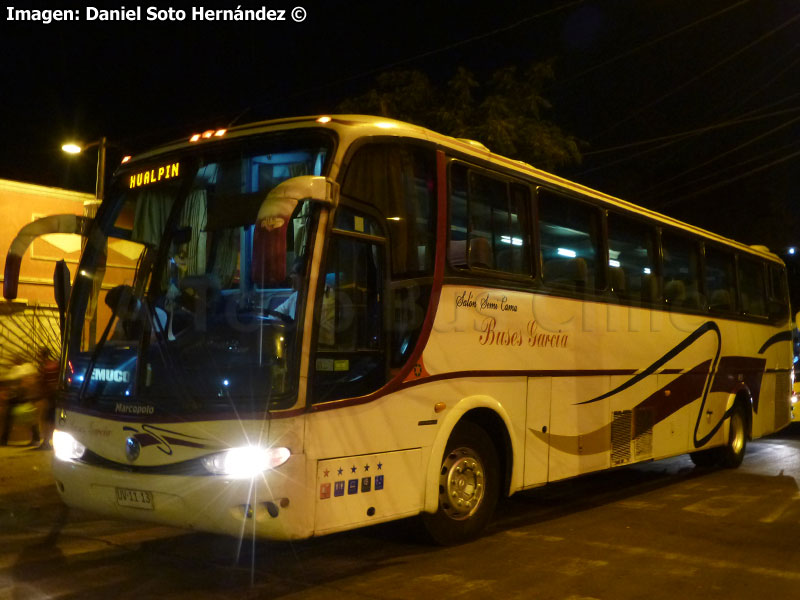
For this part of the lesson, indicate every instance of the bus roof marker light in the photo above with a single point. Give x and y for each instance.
(195, 137)
(207, 134)
(386, 125)
(324, 120)
(125, 159)
(220, 132)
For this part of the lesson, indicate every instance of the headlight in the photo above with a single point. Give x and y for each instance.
(249, 461)
(794, 399)
(66, 447)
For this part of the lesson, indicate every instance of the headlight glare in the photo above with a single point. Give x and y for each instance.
(66, 447)
(245, 462)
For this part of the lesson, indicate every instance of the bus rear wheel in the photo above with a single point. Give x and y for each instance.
(732, 453)
(469, 486)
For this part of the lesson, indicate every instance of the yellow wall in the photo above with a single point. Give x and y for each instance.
(21, 203)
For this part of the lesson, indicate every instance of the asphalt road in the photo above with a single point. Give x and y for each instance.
(660, 530)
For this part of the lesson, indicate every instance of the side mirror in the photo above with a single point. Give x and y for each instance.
(52, 224)
(61, 290)
(123, 302)
(61, 285)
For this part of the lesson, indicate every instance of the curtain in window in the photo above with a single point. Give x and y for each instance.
(383, 176)
(152, 210)
(227, 256)
(195, 215)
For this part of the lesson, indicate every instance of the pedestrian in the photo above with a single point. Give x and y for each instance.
(18, 393)
(46, 401)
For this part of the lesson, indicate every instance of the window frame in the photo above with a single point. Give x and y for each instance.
(598, 291)
(526, 225)
(736, 309)
(655, 231)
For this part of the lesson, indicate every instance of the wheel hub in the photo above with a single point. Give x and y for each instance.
(462, 484)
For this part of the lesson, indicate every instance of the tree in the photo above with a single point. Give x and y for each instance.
(506, 113)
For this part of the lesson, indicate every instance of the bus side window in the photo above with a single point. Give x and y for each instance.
(681, 271)
(752, 288)
(489, 222)
(632, 259)
(720, 280)
(569, 234)
(778, 294)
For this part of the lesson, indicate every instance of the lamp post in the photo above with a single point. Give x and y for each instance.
(75, 148)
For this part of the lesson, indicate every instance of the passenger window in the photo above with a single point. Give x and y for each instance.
(569, 231)
(681, 268)
(631, 259)
(720, 280)
(752, 287)
(778, 293)
(489, 223)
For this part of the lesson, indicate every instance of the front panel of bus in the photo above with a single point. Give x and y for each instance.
(183, 334)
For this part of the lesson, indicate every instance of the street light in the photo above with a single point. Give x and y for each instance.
(76, 148)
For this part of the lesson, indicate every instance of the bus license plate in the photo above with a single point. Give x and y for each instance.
(135, 498)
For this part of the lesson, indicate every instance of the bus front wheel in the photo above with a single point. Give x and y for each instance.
(469, 486)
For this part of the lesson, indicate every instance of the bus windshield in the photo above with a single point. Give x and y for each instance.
(185, 301)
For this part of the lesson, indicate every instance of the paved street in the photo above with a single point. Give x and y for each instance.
(661, 530)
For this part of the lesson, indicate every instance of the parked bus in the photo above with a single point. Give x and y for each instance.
(346, 320)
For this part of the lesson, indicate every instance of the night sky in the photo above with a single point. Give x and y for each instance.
(689, 107)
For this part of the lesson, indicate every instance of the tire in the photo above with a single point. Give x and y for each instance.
(469, 486)
(732, 453)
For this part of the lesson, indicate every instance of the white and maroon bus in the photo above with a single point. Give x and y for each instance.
(339, 321)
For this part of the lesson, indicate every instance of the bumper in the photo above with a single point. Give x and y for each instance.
(272, 506)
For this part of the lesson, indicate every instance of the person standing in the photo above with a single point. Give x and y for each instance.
(46, 401)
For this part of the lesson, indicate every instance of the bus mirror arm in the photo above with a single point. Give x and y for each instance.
(52, 224)
(281, 200)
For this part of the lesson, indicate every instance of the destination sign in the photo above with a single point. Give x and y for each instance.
(154, 175)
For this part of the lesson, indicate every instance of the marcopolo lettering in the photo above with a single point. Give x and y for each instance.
(111, 375)
(134, 409)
